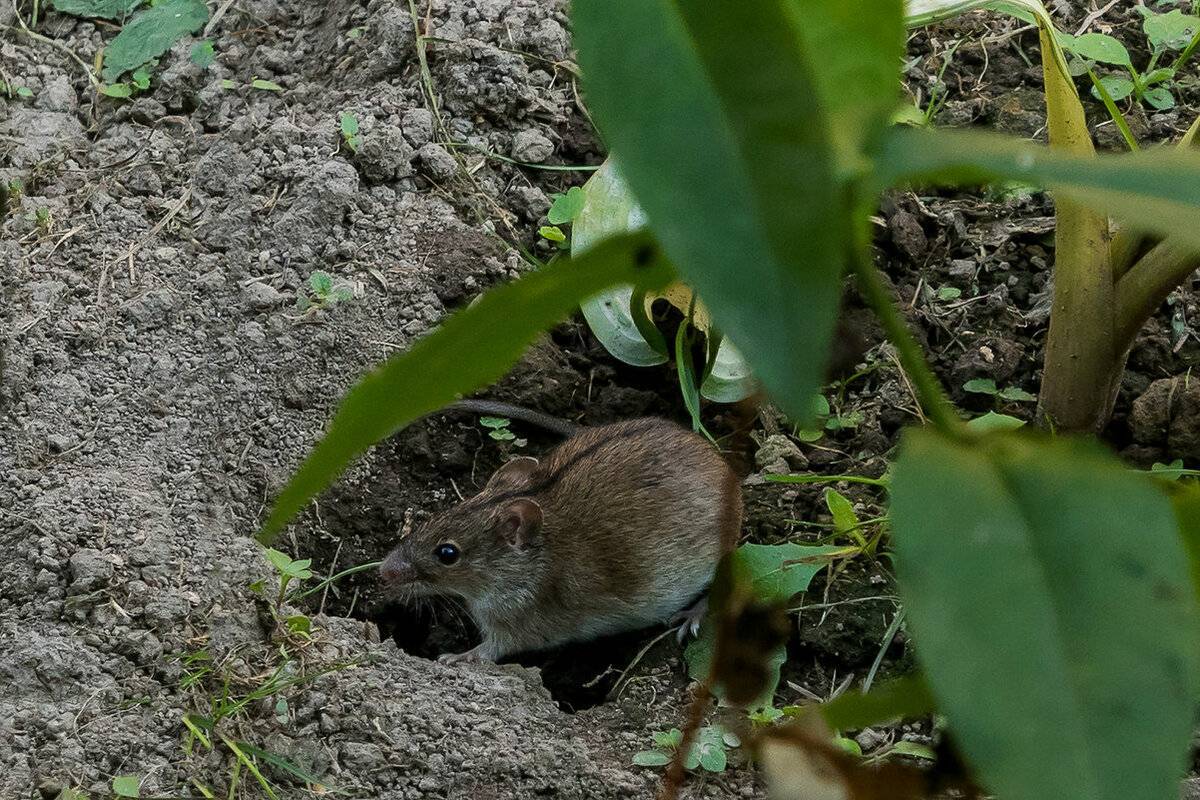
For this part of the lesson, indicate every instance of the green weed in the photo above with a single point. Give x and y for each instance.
(323, 293)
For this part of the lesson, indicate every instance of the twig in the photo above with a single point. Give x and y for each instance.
(37, 37)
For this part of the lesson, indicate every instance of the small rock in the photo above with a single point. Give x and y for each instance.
(385, 155)
(144, 179)
(779, 455)
(531, 202)
(57, 95)
(262, 296)
(531, 146)
(1169, 410)
(417, 124)
(152, 308)
(59, 442)
(961, 268)
(436, 162)
(907, 235)
(89, 570)
(869, 739)
(1151, 413)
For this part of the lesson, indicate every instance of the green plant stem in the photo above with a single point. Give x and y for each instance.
(332, 578)
(1117, 117)
(1142, 289)
(828, 479)
(929, 390)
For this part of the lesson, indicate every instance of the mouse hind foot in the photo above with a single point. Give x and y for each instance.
(689, 619)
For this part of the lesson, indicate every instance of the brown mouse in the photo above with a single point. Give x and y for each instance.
(618, 528)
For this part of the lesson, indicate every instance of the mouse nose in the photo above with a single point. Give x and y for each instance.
(397, 569)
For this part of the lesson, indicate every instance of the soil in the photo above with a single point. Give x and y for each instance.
(158, 384)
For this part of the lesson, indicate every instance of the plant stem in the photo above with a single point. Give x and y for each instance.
(1142, 289)
(333, 578)
(1114, 112)
(1187, 52)
(929, 390)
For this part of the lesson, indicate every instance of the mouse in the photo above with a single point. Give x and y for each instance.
(618, 528)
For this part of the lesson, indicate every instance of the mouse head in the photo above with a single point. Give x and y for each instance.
(483, 542)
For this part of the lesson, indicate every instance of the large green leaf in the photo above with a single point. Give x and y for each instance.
(854, 47)
(151, 33)
(1158, 191)
(1187, 511)
(104, 9)
(1049, 597)
(470, 349)
(730, 157)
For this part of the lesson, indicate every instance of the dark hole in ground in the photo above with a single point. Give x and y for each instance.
(578, 676)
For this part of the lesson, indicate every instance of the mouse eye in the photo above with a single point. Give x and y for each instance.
(447, 553)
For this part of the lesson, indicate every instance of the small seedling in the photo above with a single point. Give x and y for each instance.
(988, 386)
(202, 54)
(348, 123)
(288, 570)
(707, 752)
(947, 293)
(265, 85)
(324, 293)
(43, 220)
(828, 421)
(498, 430)
(553, 233)
(16, 91)
(14, 190)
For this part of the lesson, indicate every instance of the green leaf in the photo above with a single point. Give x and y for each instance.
(651, 758)
(226, 83)
(901, 698)
(321, 283)
(992, 421)
(270, 86)
(552, 233)
(299, 623)
(494, 422)
(202, 54)
(102, 9)
(980, 386)
(151, 33)
(668, 739)
(848, 745)
(1018, 395)
(781, 571)
(567, 206)
(1158, 76)
(141, 78)
(1172, 472)
(845, 521)
(1187, 512)
(1097, 47)
(1118, 87)
(1173, 30)
(712, 756)
(857, 45)
(913, 749)
(24, 91)
(279, 560)
(470, 349)
(127, 786)
(1048, 592)
(348, 123)
(1156, 190)
(116, 89)
(1159, 97)
(700, 130)
(949, 293)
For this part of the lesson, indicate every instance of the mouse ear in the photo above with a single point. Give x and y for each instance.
(520, 522)
(513, 475)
